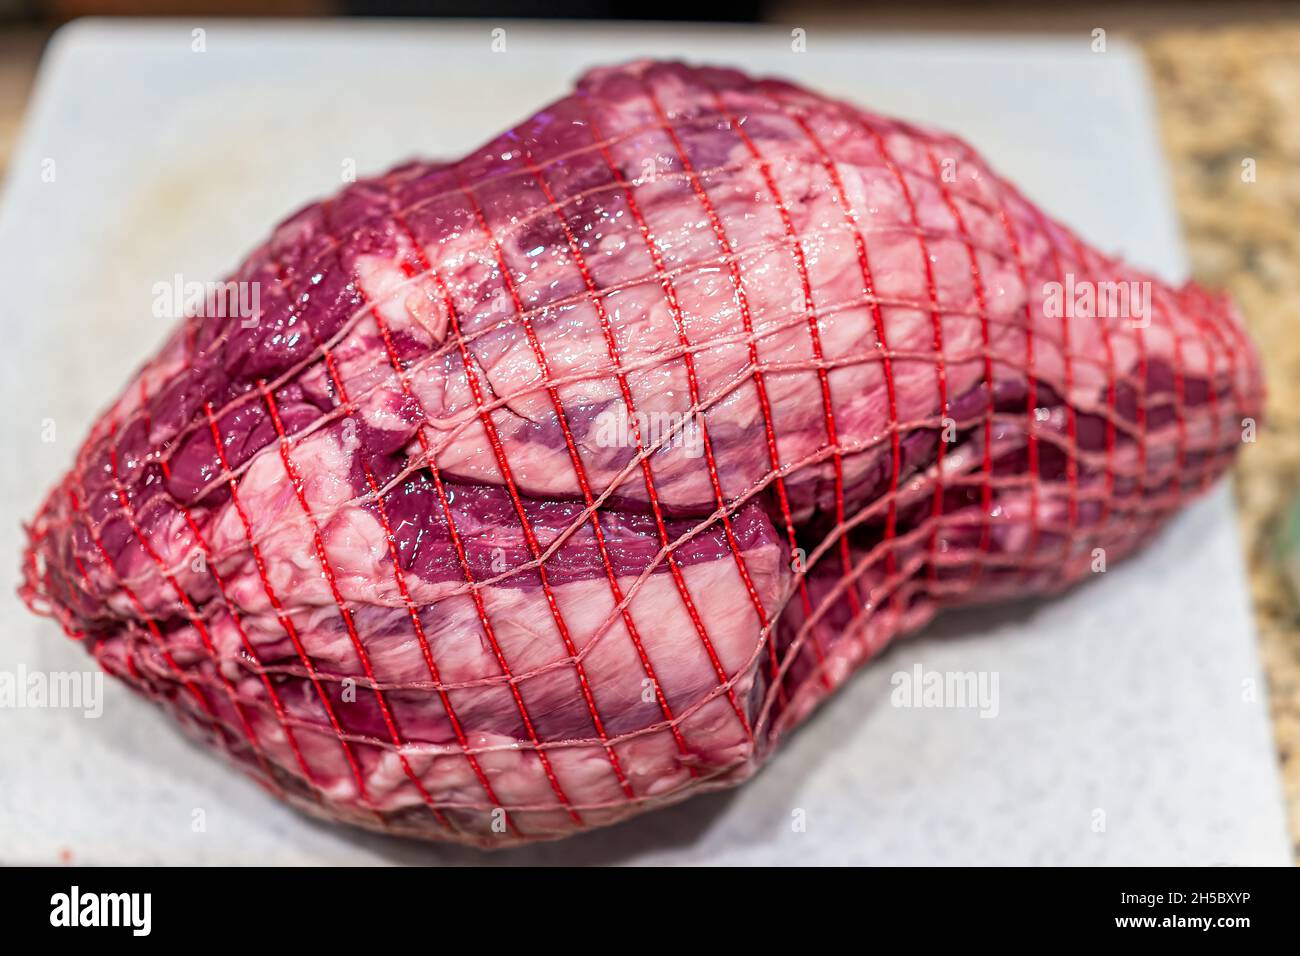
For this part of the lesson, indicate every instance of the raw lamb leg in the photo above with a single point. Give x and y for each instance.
(558, 483)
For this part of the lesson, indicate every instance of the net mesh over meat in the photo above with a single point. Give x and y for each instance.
(557, 483)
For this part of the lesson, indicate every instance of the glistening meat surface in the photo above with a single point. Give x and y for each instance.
(558, 483)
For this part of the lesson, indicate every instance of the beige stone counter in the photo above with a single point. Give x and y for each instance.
(1225, 97)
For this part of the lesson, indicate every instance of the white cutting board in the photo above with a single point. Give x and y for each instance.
(1131, 725)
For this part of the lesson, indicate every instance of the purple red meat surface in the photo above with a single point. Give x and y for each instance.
(559, 483)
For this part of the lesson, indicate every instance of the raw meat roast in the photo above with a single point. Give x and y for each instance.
(558, 483)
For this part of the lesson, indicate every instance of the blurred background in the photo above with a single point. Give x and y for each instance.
(1227, 81)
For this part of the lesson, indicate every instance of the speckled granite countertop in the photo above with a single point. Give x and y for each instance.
(1225, 96)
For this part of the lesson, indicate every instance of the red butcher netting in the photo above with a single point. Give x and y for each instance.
(559, 482)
